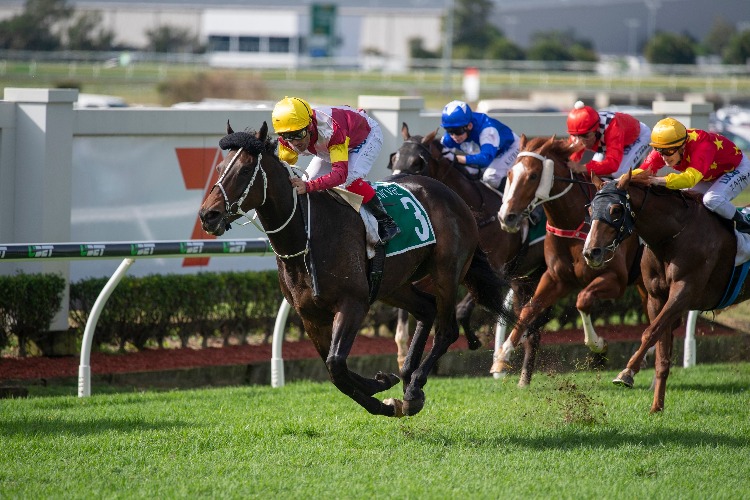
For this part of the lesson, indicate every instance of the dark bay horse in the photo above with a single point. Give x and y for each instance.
(687, 264)
(542, 176)
(323, 265)
(507, 252)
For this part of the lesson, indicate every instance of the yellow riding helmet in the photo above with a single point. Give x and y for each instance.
(290, 114)
(668, 133)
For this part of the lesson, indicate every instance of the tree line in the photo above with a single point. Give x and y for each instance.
(52, 25)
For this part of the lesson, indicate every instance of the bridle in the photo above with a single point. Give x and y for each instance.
(542, 193)
(610, 195)
(235, 208)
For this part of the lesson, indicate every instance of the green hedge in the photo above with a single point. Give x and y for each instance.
(28, 302)
(144, 311)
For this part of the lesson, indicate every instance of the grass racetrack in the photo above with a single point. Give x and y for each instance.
(567, 436)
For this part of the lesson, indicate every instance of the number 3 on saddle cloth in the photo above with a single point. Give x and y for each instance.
(411, 217)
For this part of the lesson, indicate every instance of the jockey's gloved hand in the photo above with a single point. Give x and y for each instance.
(447, 153)
(472, 169)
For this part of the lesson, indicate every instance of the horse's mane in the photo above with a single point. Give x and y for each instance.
(248, 141)
(558, 148)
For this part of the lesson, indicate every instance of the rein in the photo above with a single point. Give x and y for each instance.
(235, 208)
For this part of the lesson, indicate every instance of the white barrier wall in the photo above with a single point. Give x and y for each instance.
(140, 174)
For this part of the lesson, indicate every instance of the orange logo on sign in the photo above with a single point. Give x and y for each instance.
(198, 171)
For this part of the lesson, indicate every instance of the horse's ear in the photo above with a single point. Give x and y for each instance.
(405, 131)
(263, 132)
(390, 161)
(429, 137)
(624, 181)
(523, 141)
(598, 183)
(229, 128)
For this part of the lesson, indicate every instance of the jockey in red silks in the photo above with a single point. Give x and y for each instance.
(619, 141)
(706, 162)
(345, 142)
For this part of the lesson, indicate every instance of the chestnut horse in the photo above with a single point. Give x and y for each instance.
(542, 176)
(688, 262)
(508, 253)
(322, 260)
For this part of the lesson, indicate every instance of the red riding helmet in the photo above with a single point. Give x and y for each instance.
(582, 119)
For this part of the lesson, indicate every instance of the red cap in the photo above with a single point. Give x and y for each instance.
(582, 119)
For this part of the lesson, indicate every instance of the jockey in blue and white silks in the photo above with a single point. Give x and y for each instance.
(479, 141)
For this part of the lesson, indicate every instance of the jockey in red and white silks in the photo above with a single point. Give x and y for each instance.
(620, 142)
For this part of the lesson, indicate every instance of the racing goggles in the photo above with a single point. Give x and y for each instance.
(667, 151)
(456, 130)
(294, 135)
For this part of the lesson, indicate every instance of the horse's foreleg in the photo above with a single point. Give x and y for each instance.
(402, 336)
(346, 325)
(531, 346)
(662, 364)
(605, 286)
(667, 319)
(547, 292)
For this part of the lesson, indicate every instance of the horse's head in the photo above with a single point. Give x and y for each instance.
(531, 179)
(240, 186)
(612, 221)
(416, 154)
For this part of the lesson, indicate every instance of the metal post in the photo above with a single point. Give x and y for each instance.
(277, 362)
(84, 369)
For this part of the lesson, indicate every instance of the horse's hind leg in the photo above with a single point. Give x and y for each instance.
(661, 364)
(463, 314)
(402, 336)
(531, 348)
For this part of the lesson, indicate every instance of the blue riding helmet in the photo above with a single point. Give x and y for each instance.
(456, 114)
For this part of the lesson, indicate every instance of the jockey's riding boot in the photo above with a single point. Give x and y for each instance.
(387, 227)
(741, 223)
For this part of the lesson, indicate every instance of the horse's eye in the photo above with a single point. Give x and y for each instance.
(615, 212)
(534, 176)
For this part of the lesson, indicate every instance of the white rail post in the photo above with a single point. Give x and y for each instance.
(277, 362)
(84, 369)
(688, 359)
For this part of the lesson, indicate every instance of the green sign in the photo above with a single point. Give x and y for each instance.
(322, 29)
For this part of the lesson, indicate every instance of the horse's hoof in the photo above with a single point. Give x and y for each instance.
(523, 383)
(388, 379)
(412, 407)
(596, 349)
(398, 406)
(624, 379)
(500, 366)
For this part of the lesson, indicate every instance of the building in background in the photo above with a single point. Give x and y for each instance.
(376, 33)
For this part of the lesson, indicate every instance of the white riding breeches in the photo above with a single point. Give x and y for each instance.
(718, 194)
(498, 169)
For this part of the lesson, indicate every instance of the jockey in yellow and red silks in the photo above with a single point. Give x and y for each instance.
(619, 141)
(705, 161)
(345, 143)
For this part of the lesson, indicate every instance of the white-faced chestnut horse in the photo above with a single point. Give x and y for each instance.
(542, 176)
(322, 261)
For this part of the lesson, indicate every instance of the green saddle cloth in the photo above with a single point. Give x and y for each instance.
(409, 214)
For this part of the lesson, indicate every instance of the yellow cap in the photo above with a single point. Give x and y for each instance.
(668, 133)
(290, 114)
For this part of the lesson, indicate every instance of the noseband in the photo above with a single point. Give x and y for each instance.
(624, 226)
(545, 183)
(235, 208)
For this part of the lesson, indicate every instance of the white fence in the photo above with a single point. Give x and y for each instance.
(131, 251)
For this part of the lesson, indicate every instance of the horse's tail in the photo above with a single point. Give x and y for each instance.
(488, 287)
